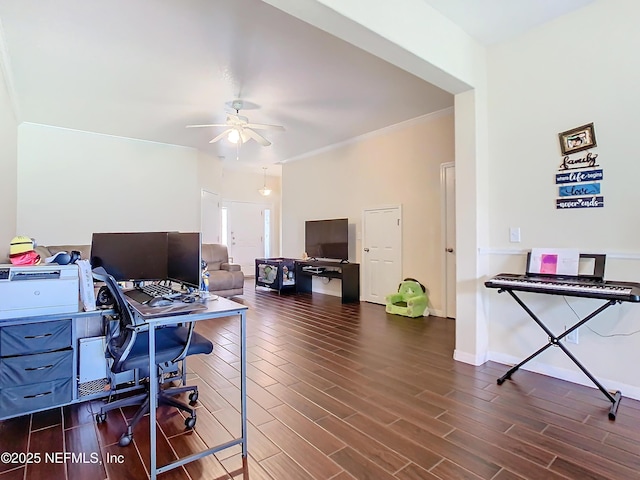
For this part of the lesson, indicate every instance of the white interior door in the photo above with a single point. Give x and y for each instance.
(448, 180)
(210, 217)
(246, 228)
(382, 252)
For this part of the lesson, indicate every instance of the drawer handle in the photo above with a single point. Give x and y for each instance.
(31, 369)
(38, 336)
(38, 395)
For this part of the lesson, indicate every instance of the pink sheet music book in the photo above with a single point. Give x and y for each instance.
(554, 261)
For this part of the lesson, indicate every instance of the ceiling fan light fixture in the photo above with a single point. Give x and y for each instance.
(264, 191)
(234, 135)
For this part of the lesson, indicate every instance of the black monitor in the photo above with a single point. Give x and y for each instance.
(327, 238)
(131, 256)
(183, 259)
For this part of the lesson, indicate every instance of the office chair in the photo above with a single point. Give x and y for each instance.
(129, 349)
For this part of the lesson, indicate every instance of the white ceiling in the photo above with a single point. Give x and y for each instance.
(493, 21)
(146, 68)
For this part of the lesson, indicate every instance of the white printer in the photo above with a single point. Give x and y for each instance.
(32, 290)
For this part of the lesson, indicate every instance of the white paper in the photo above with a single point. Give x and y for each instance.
(554, 261)
(87, 293)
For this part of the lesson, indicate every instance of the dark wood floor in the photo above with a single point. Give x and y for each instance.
(342, 392)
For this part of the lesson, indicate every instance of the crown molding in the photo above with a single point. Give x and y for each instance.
(429, 117)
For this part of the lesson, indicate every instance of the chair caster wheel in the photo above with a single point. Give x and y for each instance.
(101, 417)
(125, 440)
(190, 422)
(193, 397)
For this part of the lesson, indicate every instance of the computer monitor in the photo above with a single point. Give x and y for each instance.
(131, 256)
(183, 258)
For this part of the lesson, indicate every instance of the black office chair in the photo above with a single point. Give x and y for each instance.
(129, 349)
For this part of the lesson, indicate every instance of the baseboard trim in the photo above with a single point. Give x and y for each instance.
(469, 358)
(572, 376)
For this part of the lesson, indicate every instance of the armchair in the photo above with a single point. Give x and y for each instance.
(410, 301)
(129, 350)
(225, 279)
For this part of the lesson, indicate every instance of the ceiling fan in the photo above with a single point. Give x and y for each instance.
(238, 129)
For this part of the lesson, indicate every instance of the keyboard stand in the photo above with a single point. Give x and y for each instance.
(556, 342)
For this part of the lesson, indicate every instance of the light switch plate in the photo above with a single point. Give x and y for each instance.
(514, 234)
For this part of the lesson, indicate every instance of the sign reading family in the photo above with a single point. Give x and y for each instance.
(589, 160)
(579, 181)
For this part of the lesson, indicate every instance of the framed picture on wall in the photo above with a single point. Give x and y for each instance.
(577, 139)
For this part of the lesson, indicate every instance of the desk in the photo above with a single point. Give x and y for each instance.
(348, 273)
(218, 308)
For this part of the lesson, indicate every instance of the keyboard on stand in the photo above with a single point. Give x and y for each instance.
(622, 291)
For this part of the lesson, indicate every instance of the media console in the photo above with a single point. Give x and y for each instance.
(348, 273)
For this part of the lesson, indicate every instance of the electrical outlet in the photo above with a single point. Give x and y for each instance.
(514, 234)
(572, 337)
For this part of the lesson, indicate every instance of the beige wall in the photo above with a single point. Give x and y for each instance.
(399, 167)
(8, 169)
(551, 80)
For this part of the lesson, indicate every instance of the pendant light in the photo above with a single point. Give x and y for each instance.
(264, 191)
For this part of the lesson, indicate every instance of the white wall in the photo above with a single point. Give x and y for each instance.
(399, 167)
(73, 183)
(573, 71)
(8, 169)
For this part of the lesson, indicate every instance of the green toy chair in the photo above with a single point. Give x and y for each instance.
(410, 301)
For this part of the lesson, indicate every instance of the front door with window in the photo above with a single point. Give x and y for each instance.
(245, 227)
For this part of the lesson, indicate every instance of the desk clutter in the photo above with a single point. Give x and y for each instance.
(57, 349)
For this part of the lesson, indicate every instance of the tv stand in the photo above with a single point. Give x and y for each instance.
(348, 273)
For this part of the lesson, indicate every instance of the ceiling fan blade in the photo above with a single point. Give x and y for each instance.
(210, 125)
(244, 136)
(221, 136)
(257, 137)
(264, 126)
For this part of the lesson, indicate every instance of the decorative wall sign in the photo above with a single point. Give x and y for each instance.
(576, 190)
(577, 139)
(578, 180)
(589, 160)
(580, 202)
(581, 176)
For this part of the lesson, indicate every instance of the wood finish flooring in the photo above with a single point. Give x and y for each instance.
(342, 392)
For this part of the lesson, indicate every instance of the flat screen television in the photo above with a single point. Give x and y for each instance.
(131, 256)
(183, 258)
(327, 238)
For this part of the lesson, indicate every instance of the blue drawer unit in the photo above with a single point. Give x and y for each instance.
(36, 366)
(35, 338)
(36, 396)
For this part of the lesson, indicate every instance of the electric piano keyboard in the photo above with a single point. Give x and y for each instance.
(574, 287)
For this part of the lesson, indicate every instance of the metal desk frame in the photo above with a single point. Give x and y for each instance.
(218, 308)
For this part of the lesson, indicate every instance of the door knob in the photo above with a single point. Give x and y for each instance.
(449, 250)
(366, 249)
